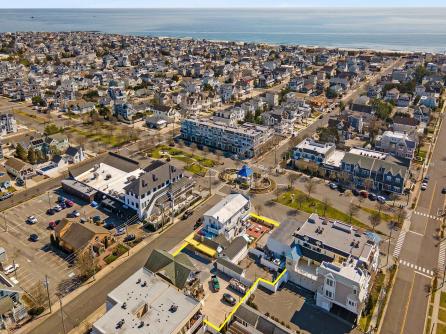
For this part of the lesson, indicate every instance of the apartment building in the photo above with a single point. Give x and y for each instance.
(311, 150)
(8, 124)
(245, 141)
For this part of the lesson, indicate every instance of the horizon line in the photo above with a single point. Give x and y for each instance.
(237, 7)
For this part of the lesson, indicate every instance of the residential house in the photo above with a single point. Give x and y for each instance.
(8, 124)
(392, 95)
(74, 155)
(399, 144)
(227, 217)
(19, 168)
(422, 114)
(11, 308)
(74, 236)
(405, 124)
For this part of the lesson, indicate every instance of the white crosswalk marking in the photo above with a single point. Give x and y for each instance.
(417, 268)
(427, 215)
(441, 256)
(399, 244)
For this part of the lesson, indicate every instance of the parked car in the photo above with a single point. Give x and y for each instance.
(381, 199)
(57, 208)
(129, 238)
(60, 199)
(215, 283)
(20, 182)
(187, 214)
(50, 212)
(31, 220)
(426, 179)
(33, 237)
(443, 191)
(63, 205)
(74, 214)
(372, 197)
(332, 185)
(341, 189)
(5, 196)
(69, 203)
(96, 219)
(424, 186)
(197, 224)
(119, 231)
(355, 192)
(11, 268)
(229, 299)
(364, 193)
(51, 225)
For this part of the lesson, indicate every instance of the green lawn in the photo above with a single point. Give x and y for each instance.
(311, 205)
(442, 315)
(443, 299)
(196, 169)
(441, 329)
(194, 163)
(384, 216)
(364, 321)
(114, 139)
(117, 252)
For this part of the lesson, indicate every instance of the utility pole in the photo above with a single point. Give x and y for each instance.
(49, 200)
(48, 292)
(61, 314)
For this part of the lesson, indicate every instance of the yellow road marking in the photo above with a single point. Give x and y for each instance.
(178, 251)
(407, 304)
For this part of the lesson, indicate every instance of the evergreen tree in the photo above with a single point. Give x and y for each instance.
(20, 152)
(32, 158)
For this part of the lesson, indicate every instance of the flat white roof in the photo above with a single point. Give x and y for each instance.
(227, 207)
(146, 290)
(108, 179)
(335, 159)
(368, 153)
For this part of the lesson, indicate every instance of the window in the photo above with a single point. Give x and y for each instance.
(329, 294)
(329, 282)
(355, 290)
(351, 303)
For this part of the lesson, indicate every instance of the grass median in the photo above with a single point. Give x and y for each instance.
(298, 200)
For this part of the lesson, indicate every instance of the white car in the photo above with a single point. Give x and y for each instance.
(31, 220)
(11, 268)
(58, 208)
(424, 186)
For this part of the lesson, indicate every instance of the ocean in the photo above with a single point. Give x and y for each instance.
(402, 29)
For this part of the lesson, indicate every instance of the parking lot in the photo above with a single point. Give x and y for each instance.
(36, 259)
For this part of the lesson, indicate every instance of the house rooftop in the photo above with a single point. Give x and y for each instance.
(227, 207)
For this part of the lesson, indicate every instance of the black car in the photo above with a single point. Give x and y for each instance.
(355, 192)
(5, 196)
(341, 189)
(129, 237)
(372, 197)
(443, 191)
(50, 212)
(197, 224)
(33, 237)
(229, 299)
(187, 214)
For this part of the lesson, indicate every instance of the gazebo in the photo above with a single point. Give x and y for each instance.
(245, 174)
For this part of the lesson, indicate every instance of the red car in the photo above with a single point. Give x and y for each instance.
(69, 203)
(364, 193)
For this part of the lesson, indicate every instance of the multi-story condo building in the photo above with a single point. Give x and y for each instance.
(8, 124)
(382, 172)
(310, 150)
(245, 141)
(332, 259)
(396, 143)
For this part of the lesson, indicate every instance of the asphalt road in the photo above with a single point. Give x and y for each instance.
(420, 253)
(91, 299)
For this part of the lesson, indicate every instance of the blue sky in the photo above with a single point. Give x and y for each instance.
(215, 3)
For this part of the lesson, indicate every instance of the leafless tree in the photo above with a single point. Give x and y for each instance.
(352, 211)
(401, 215)
(325, 205)
(310, 184)
(292, 178)
(375, 219)
(300, 199)
(277, 192)
(379, 206)
(38, 294)
(86, 264)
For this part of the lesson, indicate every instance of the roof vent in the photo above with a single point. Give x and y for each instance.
(124, 306)
(144, 284)
(173, 308)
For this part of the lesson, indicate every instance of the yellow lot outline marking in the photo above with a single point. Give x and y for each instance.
(242, 300)
(265, 219)
(251, 289)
